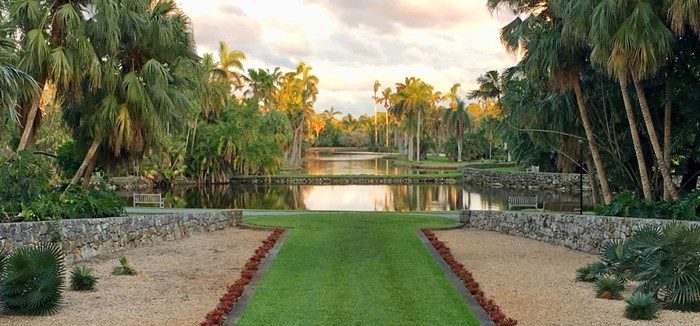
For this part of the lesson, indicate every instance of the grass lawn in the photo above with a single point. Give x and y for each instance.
(355, 269)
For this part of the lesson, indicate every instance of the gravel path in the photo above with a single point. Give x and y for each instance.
(534, 282)
(178, 282)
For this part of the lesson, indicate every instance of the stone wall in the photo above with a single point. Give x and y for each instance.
(585, 233)
(87, 238)
(353, 180)
(564, 182)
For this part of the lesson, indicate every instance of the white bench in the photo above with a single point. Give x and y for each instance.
(522, 202)
(534, 169)
(148, 199)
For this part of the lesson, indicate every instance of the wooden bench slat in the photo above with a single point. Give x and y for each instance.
(562, 206)
(148, 199)
(522, 202)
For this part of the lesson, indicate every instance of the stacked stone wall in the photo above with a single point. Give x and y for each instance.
(563, 182)
(585, 233)
(86, 238)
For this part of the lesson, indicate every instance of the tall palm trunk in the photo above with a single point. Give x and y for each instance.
(86, 161)
(643, 172)
(668, 141)
(387, 127)
(418, 137)
(595, 190)
(31, 124)
(597, 160)
(665, 169)
(460, 139)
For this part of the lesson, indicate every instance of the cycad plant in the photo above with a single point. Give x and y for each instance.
(609, 287)
(641, 306)
(31, 281)
(82, 279)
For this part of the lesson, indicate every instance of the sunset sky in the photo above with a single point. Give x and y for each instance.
(352, 43)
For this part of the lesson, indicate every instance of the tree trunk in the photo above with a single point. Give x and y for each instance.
(595, 191)
(460, 139)
(665, 170)
(88, 171)
(643, 172)
(376, 131)
(30, 111)
(387, 127)
(597, 160)
(86, 161)
(418, 137)
(668, 141)
(690, 178)
(410, 142)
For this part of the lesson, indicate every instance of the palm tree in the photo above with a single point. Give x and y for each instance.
(549, 58)
(634, 40)
(144, 86)
(386, 100)
(374, 101)
(55, 48)
(330, 114)
(490, 87)
(263, 86)
(458, 118)
(17, 85)
(413, 98)
(228, 60)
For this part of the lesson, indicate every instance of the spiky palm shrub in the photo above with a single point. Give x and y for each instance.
(82, 279)
(641, 306)
(609, 287)
(32, 283)
(123, 268)
(668, 260)
(591, 272)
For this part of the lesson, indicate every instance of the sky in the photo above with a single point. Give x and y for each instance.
(352, 43)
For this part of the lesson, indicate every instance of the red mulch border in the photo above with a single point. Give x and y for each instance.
(217, 316)
(467, 279)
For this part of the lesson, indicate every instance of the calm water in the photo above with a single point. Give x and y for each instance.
(350, 197)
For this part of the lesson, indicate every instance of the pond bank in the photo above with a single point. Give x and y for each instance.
(447, 178)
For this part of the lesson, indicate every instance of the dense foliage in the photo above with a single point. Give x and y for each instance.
(663, 260)
(630, 205)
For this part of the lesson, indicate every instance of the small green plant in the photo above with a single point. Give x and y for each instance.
(590, 272)
(32, 281)
(641, 306)
(124, 268)
(609, 287)
(82, 279)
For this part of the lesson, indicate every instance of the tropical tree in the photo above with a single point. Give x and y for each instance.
(386, 100)
(547, 57)
(633, 39)
(144, 87)
(228, 60)
(413, 98)
(329, 114)
(458, 119)
(56, 46)
(263, 86)
(374, 101)
(17, 85)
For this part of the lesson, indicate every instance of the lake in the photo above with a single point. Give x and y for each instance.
(351, 197)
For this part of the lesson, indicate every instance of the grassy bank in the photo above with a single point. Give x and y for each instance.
(355, 269)
(366, 176)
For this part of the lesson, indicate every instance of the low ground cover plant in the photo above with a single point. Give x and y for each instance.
(493, 310)
(664, 261)
(235, 290)
(31, 280)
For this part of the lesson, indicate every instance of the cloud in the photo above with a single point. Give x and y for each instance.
(352, 43)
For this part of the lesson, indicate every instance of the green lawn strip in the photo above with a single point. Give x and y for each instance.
(355, 268)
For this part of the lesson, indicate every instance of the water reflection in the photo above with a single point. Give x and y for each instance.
(349, 197)
(325, 163)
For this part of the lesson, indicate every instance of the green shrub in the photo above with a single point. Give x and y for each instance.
(627, 204)
(78, 202)
(641, 306)
(609, 287)
(23, 178)
(82, 279)
(32, 283)
(69, 158)
(124, 268)
(590, 272)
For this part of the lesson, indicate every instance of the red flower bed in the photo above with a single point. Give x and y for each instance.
(235, 290)
(489, 306)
